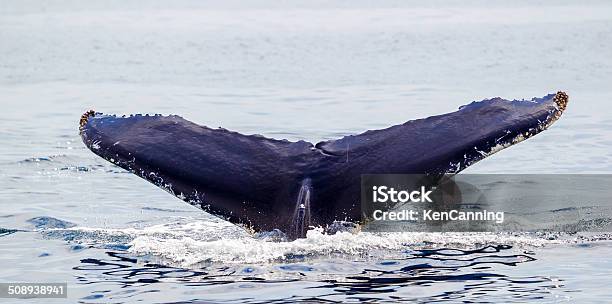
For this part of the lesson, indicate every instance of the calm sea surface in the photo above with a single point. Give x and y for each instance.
(307, 70)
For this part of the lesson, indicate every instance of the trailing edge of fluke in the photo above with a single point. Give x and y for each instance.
(266, 184)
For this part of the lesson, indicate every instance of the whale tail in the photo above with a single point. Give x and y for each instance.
(267, 183)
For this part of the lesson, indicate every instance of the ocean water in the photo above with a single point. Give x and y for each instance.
(307, 70)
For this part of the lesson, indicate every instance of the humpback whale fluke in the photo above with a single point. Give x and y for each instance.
(267, 183)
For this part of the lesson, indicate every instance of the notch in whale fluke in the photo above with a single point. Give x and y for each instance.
(261, 182)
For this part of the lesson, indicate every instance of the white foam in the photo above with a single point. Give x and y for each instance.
(201, 241)
(204, 241)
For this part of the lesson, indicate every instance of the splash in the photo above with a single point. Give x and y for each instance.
(203, 241)
(188, 251)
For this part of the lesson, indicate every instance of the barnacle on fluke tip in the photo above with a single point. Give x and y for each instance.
(561, 100)
(84, 119)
